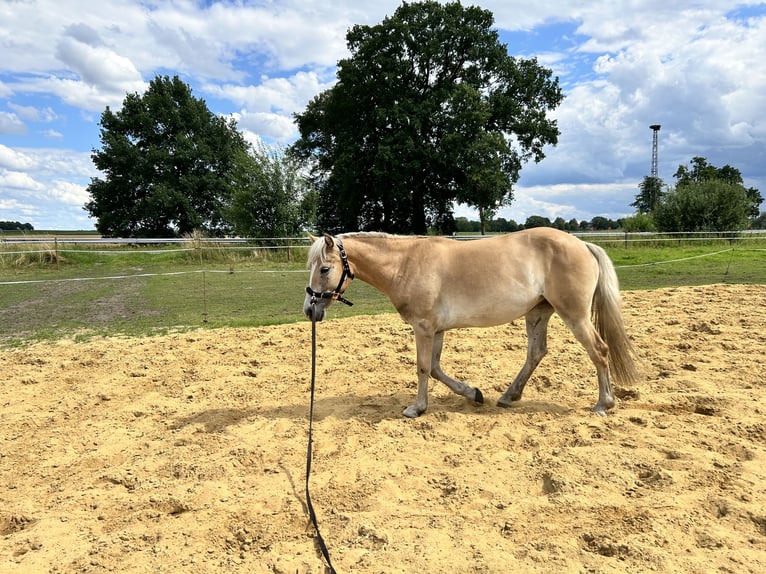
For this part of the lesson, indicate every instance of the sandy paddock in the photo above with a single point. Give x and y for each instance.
(186, 453)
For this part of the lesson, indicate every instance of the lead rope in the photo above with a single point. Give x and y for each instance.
(312, 514)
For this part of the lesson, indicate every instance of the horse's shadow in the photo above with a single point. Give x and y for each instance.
(372, 409)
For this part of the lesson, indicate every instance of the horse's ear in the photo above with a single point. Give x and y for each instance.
(312, 238)
(329, 241)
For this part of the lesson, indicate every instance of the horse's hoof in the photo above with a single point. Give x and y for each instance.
(411, 413)
(503, 405)
(478, 398)
(599, 410)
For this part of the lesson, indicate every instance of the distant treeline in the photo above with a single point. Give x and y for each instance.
(502, 225)
(15, 226)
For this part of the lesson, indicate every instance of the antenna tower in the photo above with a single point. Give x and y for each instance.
(655, 133)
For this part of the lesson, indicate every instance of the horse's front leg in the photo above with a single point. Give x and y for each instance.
(424, 342)
(458, 387)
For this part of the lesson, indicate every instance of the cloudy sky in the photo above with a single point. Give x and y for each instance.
(697, 67)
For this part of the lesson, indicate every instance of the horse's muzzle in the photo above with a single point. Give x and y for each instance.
(314, 310)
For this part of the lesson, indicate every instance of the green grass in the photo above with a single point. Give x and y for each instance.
(655, 267)
(168, 291)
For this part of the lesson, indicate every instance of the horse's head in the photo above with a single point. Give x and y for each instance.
(329, 277)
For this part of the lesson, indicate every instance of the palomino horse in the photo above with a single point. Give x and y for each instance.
(438, 284)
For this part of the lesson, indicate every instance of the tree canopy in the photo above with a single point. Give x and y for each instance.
(649, 195)
(15, 226)
(702, 171)
(706, 198)
(271, 199)
(168, 163)
(428, 110)
(710, 205)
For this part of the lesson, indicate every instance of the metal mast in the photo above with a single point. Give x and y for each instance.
(656, 130)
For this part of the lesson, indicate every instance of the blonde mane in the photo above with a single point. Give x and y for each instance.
(318, 249)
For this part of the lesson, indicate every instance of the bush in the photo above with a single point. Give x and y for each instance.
(638, 223)
(711, 205)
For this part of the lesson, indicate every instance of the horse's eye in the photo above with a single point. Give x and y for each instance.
(324, 270)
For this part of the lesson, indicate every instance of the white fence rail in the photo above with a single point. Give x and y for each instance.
(286, 242)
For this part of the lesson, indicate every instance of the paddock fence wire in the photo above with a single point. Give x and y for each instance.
(53, 249)
(69, 284)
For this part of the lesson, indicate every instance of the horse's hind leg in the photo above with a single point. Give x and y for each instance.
(537, 347)
(458, 387)
(598, 351)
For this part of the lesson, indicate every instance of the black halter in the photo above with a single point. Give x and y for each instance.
(337, 293)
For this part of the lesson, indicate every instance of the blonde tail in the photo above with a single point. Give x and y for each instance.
(607, 317)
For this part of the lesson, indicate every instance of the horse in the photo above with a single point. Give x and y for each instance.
(438, 283)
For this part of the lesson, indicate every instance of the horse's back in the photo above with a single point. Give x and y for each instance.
(497, 279)
(543, 247)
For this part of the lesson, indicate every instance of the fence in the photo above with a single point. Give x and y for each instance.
(291, 242)
(132, 286)
(54, 247)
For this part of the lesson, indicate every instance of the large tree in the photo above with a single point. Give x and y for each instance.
(428, 110)
(168, 165)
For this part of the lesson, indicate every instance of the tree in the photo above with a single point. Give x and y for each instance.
(600, 223)
(270, 198)
(428, 110)
(15, 226)
(537, 221)
(650, 193)
(168, 163)
(700, 171)
(710, 205)
(755, 200)
(715, 196)
(638, 223)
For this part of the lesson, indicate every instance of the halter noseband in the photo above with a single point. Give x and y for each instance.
(337, 293)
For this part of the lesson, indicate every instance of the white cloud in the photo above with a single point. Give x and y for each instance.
(20, 181)
(33, 114)
(283, 95)
(12, 204)
(69, 193)
(267, 108)
(11, 124)
(268, 126)
(14, 159)
(52, 134)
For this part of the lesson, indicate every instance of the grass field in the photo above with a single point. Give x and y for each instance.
(49, 292)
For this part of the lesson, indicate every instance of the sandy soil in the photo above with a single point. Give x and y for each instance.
(187, 453)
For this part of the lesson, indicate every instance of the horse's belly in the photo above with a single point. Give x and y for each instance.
(485, 314)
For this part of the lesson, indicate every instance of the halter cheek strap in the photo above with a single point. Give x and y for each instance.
(337, 293)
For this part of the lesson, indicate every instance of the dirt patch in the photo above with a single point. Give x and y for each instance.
(186, 453)
(61, 306)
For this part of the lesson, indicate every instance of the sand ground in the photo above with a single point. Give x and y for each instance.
(187, 452)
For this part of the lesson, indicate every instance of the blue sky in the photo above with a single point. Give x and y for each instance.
(698, 68)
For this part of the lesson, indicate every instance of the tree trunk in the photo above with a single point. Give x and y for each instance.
(419, 226)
